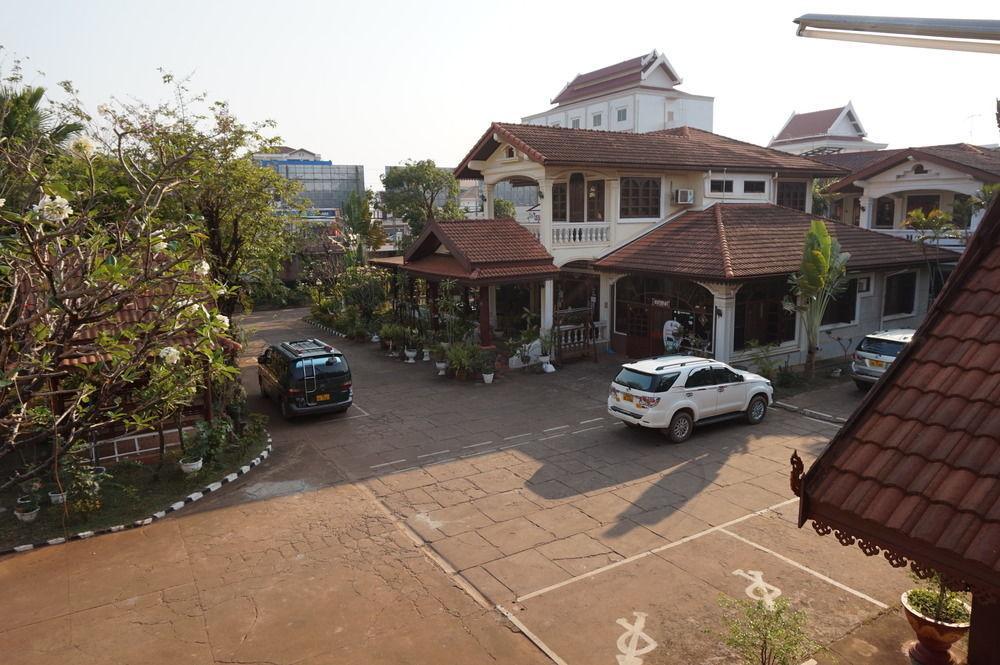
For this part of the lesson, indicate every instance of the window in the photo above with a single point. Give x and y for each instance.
(754, 186)
(843, 307)
(885, 212)
(596, 120)
(651, 383)
(900, 294)
(880, 347)
(726, 375)
(509, 153)
(577, 197)
(670, 116)
(761, 316)
(720, 186)
(864, 285)
(919, 169)
(925, 202)
(622, 115)
(559, 202)
(640, 197)
(701, 378)
(575, 123)
(792, 195)
(595, 201)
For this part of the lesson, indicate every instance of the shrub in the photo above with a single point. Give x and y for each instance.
(208, 440)
(936, 601)
(760, 355)
(463, 357)
(766, 636)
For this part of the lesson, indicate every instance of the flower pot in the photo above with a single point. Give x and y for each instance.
(411, 355)
(488, 378)
(26, 516)
(461, 374)
(934, 638)
(57, 498)
(441, 367)
(376, 339)
(190, 465)
(427, 354)
(544, 359)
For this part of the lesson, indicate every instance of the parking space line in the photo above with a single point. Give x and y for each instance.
(516, 436)
(395, 461)
(661, 548)
(553, 429)
(587, 429)
(446, 450)
(552, 436)
(592, 420)
(537, 641)
(514, 445)
(822, 422)
(806, 569)
(476, 445)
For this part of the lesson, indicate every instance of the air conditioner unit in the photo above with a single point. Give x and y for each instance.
(684, 196)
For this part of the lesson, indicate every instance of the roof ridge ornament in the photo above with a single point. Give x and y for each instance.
(727, 261)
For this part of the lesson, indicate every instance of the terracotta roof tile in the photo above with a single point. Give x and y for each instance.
(804, 125)
(738, 241)
(937, 411)
(981, 162)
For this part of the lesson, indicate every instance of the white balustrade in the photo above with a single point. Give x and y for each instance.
(588, 233)
(534, 228)
(955, 243)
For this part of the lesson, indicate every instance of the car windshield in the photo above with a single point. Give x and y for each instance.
(638, 380)
(882, 347)
(324, 367)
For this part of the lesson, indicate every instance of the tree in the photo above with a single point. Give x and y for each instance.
(504, 209)
(367, 232)
(100, 295)
(820, 278)
(413, 192)
(762, 635)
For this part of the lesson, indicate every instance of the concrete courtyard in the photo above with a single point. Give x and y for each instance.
(441, 521)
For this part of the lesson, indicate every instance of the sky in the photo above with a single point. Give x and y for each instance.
(379, 82)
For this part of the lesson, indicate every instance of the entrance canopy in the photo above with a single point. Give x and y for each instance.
(740, 241)
(476, 252)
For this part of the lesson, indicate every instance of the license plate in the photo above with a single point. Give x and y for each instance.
(323, 398)
(628, 397)
(876, 363)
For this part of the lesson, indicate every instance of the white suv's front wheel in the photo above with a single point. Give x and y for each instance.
(680, 428)
(757, 409)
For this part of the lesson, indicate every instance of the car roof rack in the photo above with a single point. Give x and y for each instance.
(699, 361)
(307, 347)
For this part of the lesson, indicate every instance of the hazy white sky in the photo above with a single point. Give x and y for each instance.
(377, 82)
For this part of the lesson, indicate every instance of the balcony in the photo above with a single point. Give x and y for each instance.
(956, 243)
(580, 234)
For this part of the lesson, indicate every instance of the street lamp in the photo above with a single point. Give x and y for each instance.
(979, 36)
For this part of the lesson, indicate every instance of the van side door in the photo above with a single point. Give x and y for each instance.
(700, 388)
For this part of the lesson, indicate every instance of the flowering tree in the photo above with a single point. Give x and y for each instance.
(106, 315)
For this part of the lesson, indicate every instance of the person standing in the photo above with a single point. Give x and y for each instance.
(672, 334)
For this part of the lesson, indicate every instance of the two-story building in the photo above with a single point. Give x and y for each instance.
(884, 186)
(678, 224)
(636, 95)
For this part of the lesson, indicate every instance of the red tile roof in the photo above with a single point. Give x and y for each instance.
(683, 148)
(606, 79)
(916, 470)
(739, 241)
(479, 251)
(805, 125)
(979, 162)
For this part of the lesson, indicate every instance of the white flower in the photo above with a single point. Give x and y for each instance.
(2, 201)
(222, 320)
(103, 109)
(159, 246)
(53, 208)
(83, 146)
(202, 268)
(170, 355)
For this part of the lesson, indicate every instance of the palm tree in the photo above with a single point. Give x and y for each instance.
(23, 118)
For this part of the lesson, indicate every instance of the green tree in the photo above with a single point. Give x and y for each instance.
(820, 278)
(503, 209)
(365, 232)
(412, 192)
(761, 635)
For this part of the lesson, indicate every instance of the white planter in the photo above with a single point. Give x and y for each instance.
(411, 355)
(441, 368)
(488, 378)
(57, 498)
(376, 339)
(26, 517)
(543, 359)
(190, 466)
(427, 355)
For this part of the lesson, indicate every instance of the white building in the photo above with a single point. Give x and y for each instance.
(637, 95)
(824, 132)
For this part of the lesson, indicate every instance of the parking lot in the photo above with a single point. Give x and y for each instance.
(596, 540)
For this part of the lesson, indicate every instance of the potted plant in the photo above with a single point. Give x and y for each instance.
(58, 497)
(26, 511)
(425, 344)
(548, 344)
(411, 340)
(939, 617)
(439, 352)
(487, 365)
(462, 359)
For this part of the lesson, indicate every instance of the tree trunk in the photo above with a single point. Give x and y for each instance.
(810, 368)
(163, 450)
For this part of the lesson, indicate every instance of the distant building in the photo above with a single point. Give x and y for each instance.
(637, 95)
(824, 132)
(326, 185)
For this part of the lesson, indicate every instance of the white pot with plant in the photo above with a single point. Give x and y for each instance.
(26, 512)
(427, 354)
(488, 365)
(939, 617)
(57, 498)
(191, 464)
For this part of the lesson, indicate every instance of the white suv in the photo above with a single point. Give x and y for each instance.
(672, 393)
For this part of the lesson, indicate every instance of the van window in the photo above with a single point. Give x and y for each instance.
(323, 367)
(882, 347)
(701, 377)
(636, 380)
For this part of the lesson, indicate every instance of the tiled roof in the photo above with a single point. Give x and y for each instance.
(739, 241)
(855, 161)
(916, 470)
(606, 79)
(683, 148)
(477, 251)
(805, 125)
(979, 162)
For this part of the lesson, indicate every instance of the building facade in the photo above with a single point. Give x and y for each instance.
(824, 132)
(637, 95)
(324, 184)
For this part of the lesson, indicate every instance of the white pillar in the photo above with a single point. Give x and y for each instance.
(604, 304)
(868, 211)
(612, 188)
(548, 298)
(545, 224)
(490, 187)
(724, 324)
(493, 305)
(809, 196)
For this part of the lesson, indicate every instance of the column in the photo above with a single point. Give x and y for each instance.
(612, 188)
(548, 299)
(485, 327)
(809, 196)
(490, 187)
(432, 296)
(984, 638)
(604, 299)
(545, 224)
(493, 306)
(724, 324)
(868, 211)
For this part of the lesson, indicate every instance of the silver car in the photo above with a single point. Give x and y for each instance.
(875, 353)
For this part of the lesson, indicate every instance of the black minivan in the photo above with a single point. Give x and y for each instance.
(305, 376)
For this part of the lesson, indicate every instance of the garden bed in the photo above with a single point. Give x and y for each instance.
(131, 497)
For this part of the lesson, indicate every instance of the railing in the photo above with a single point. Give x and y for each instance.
(574, 340)
(534, 228)
(588, 233)
(956, 243)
